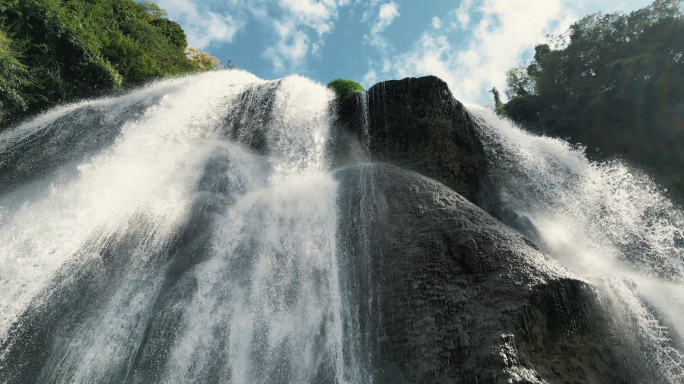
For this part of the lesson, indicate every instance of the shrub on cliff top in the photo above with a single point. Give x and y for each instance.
(343, 87)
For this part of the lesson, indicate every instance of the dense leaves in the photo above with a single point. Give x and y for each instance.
(616, 86)
(13, 76)
(56, 51)
(344, 87)
(202, 61)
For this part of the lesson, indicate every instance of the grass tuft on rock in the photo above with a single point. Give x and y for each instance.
(343, 87)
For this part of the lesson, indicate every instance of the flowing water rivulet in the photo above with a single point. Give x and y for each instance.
(184, 233)
(606, 222)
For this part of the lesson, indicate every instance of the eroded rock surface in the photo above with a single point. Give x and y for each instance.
(444, 293)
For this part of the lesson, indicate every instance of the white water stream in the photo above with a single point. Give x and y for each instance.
(258, 300)
(606, 222)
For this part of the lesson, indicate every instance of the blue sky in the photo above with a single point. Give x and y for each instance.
(468, 43)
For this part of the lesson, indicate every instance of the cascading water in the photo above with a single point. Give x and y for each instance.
(190, 232)
(606, 222)
(182, 233)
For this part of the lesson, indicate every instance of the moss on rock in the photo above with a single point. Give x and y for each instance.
(343, 87)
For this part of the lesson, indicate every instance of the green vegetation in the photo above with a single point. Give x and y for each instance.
(343, 87)
(498, 105)
(202, 61)
(57, 51)
(615, 84)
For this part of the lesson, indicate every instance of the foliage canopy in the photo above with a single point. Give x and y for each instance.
(343, 87)
(56, 51)
(614, 83)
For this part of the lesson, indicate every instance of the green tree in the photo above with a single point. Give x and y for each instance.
(13, 77)
(202, 61)
(616, 85)
(519, 81)
(57, 51)
(498, 105)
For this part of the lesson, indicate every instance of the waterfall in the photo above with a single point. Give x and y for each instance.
(183, 233)
(605, 221)
(193, 231)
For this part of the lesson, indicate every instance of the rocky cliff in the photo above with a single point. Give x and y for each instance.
(416, 124)
(447, 294)
(444, 292)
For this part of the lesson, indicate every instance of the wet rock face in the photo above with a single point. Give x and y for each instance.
(441, 292)
(414, 123)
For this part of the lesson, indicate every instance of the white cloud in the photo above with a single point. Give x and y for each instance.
(366, 16)
(299, 26)
(370, 78)
(436, 23)
(429, 59)
(463, 13)
(316, 49)
(505, 30)
(317, 15)
(292, 47)
(386, 15)
(386, 65)
(202, 27)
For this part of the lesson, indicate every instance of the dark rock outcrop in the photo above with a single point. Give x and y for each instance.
(414, 123)
(444, 293)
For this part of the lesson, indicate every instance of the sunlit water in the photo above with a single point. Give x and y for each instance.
(604, 221)
(192, 257)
